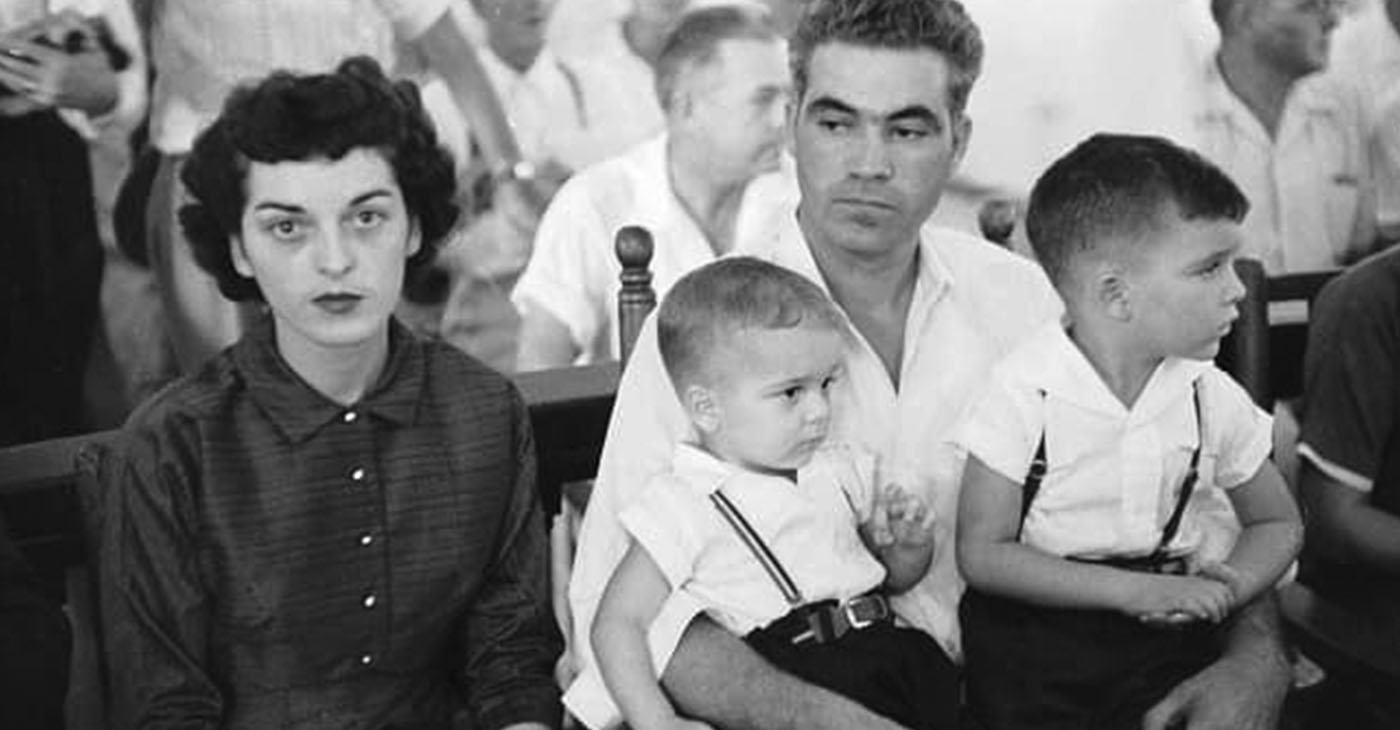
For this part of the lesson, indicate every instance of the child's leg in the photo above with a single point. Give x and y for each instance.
(1034, 667)
(900, 673)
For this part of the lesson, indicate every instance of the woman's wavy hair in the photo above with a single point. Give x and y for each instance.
(299, 117)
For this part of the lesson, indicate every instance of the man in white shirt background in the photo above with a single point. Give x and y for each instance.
(700, 188)
(1294, 142)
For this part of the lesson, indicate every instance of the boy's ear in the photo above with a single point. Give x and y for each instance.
(700, 403)
(1112, 292)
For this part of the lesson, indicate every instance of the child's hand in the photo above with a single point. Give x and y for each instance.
(899, 518)
(1173, 600)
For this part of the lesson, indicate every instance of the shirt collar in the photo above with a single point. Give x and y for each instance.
(1308, 96)
(1052, 363)
(299, 411)
(790, 249)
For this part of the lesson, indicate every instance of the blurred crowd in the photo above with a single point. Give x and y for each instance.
(571, 118)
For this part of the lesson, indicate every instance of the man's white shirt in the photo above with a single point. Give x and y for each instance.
(1311, 192)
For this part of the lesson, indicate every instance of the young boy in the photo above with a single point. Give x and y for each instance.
(757, 520)
(1092, 585)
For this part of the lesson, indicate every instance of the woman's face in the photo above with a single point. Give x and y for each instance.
(326, 241)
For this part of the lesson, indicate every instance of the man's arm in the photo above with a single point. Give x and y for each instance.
(1345, 525)
(1244, 689)
(714, 676)
(449, 52)
(544, 342)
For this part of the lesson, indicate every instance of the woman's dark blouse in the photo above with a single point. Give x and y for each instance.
(272, 559)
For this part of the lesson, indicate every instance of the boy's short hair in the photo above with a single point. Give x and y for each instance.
(1118, 186)
(725, 297)
(302, 117)
(695, 39)
(941, 26)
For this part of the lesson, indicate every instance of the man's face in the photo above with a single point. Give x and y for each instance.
(1292, 35)
(735, 105)
(515, 28)
(875, 140)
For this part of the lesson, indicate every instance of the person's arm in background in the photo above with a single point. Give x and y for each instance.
(1349, 420)
(559, 293)
(449, 52)
(511, 642)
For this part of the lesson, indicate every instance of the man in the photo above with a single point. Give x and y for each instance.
(1350, 443)
(1366, 55)
(1294, 144)
(877, 126)
(200, 50)
(697, 188)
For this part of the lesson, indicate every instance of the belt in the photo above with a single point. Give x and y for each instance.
(824, 621)
(1158, 564)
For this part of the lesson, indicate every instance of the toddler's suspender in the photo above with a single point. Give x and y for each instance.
(1039, 465)
(758, 547)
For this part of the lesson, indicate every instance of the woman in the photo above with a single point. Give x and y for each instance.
(332, 524)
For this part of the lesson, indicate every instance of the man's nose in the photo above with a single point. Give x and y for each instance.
(872, 158)
(1234, 286)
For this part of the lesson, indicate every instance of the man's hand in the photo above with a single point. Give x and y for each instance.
(1243, 690)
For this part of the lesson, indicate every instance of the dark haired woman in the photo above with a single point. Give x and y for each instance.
(333, 524)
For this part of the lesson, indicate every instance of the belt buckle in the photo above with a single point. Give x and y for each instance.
(853, 619)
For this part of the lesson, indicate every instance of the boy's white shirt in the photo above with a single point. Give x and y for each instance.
(973, 303)
(1114, 472)
(811, 527)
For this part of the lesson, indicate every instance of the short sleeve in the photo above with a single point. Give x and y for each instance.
(666, 521)
(412, 18)
(1003, 427)
(1348, 412)
(1384, 148)
(1240, 433)
(562, 276)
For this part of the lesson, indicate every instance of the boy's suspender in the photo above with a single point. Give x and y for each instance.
(818, 622)
(1039, 465)
(758, 547)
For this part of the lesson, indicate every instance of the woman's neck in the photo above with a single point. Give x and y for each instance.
(342, 374)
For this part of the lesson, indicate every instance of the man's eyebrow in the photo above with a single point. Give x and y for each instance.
(829, 104)
(916, 113)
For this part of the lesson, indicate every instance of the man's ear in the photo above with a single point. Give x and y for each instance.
(1112, 291)
(239, 256)
(962, 136)
(704, 411)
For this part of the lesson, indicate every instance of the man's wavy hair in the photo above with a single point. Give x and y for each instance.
(941, 26)
(300, 117)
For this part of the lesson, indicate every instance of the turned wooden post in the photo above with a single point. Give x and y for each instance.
(636, 299)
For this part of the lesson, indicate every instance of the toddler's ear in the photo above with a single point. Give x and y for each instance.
(702, 408)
